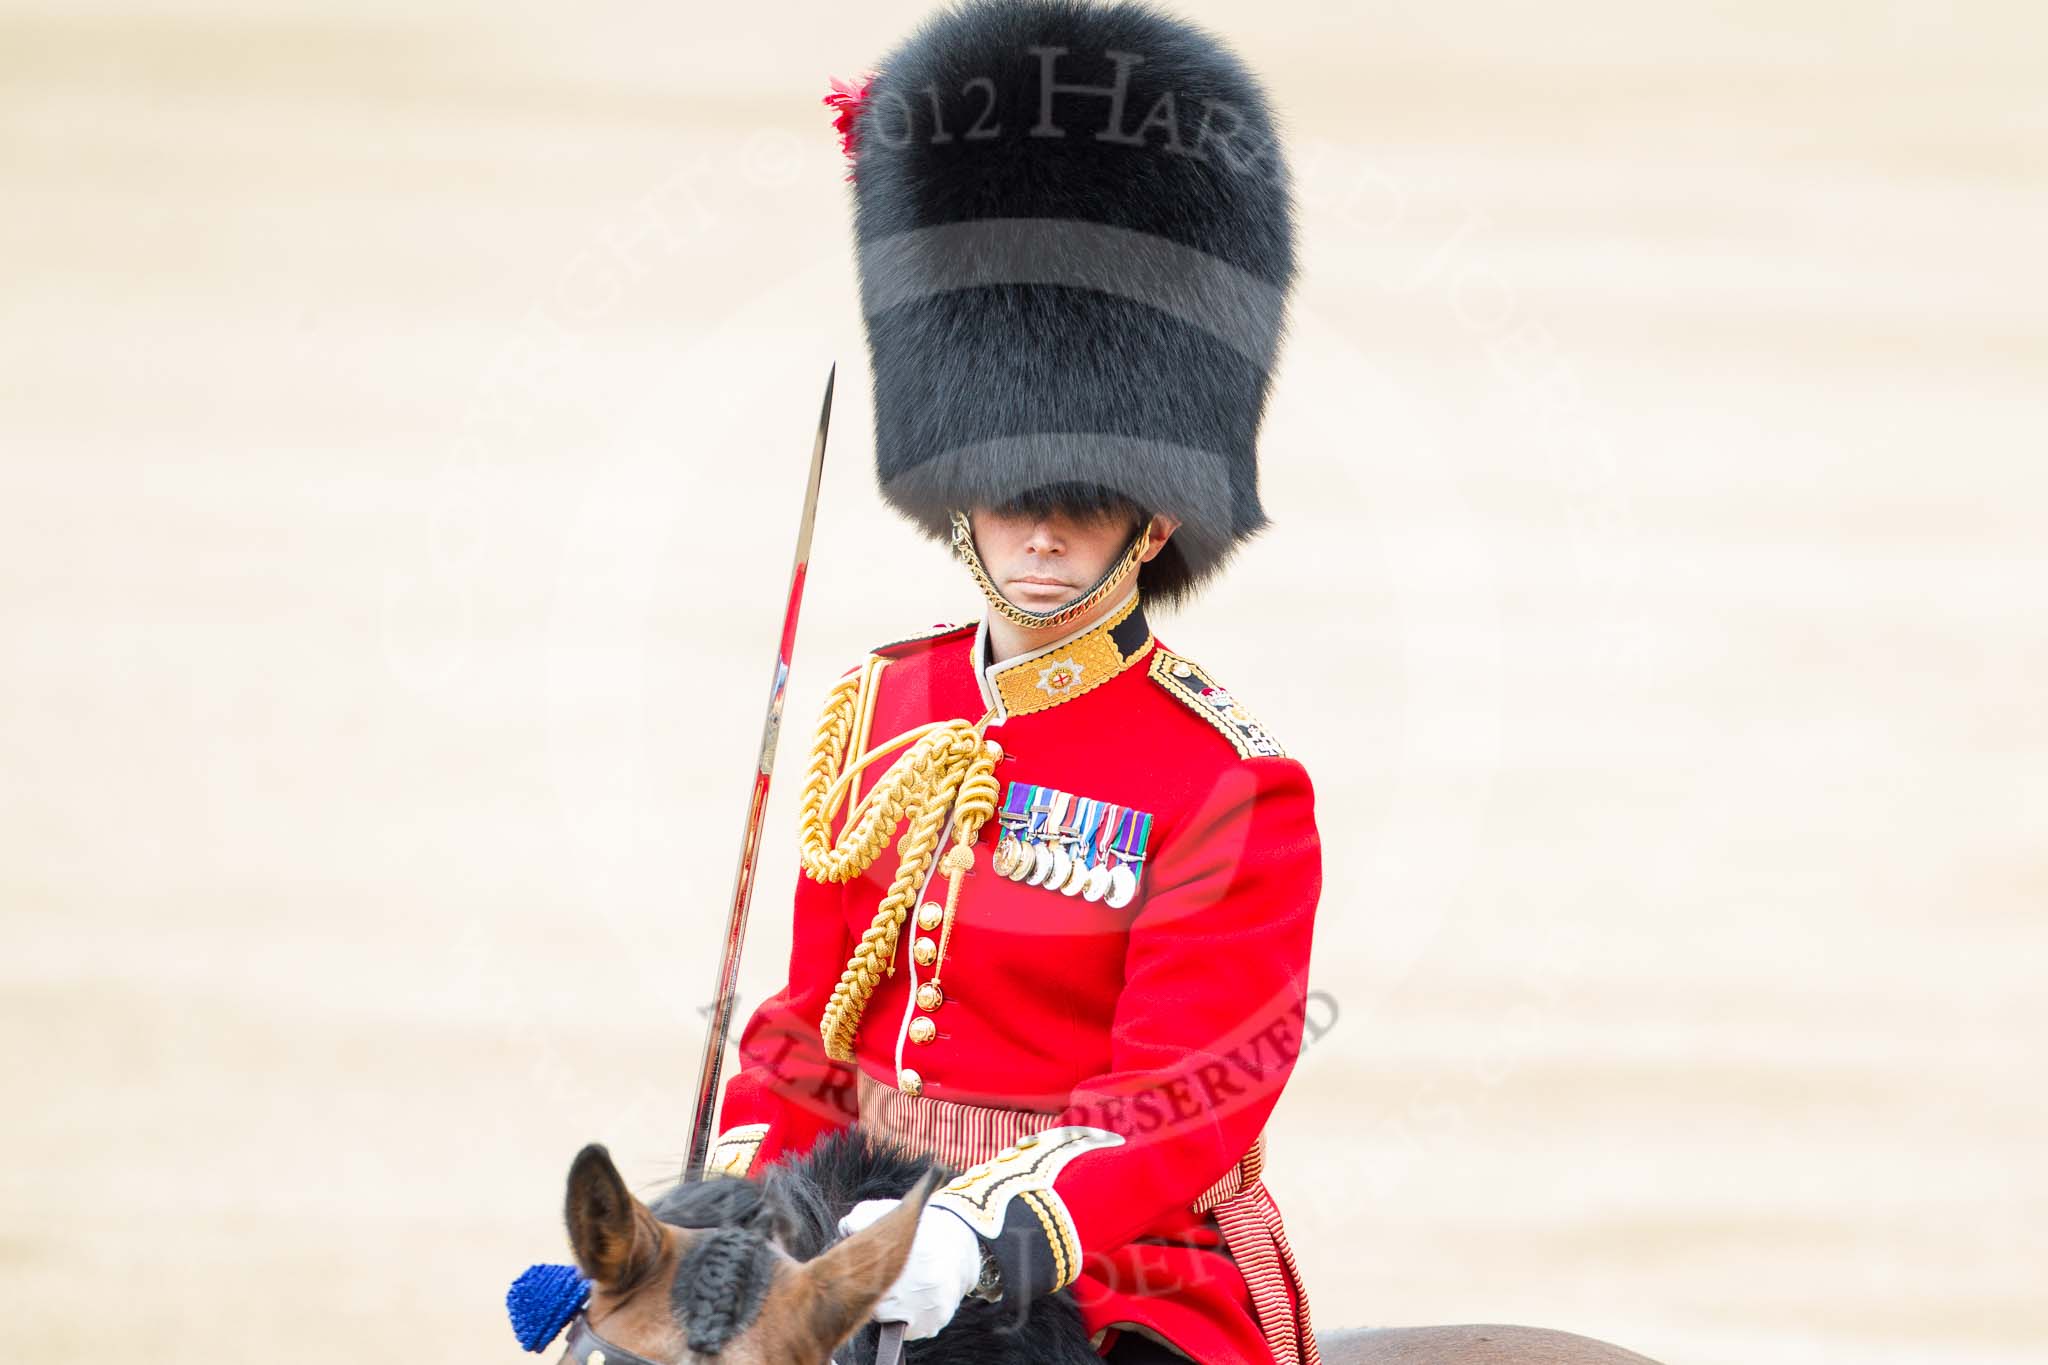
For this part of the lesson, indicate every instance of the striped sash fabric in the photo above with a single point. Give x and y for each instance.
(960, 1135)
(964, 1135)
(1250, 1223)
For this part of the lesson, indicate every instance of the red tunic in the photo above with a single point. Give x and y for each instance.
(1172, 1022)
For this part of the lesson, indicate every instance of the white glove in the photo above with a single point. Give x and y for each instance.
(943, 1265)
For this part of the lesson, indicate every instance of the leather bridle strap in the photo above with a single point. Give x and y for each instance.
(889, 1350)
(586, 1347)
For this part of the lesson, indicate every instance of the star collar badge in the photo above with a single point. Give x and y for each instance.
(1059, 676)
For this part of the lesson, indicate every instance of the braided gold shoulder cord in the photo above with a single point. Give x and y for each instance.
(948, 767)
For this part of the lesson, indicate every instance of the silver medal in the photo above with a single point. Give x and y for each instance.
(1041, 865)
(1099, 878)
(1123, 884)
(1062, 865)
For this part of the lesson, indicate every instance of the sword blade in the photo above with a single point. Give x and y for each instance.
(720, 1021)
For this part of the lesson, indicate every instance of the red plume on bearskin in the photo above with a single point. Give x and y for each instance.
(848, 98)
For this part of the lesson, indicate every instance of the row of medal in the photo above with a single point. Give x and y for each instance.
(1072, 844)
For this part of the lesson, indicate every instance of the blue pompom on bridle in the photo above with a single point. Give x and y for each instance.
(543, 1300)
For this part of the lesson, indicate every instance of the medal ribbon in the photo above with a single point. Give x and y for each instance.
(1133, 830)
(1040, 809)
(1056, 825)
(1084, 839)
(1105, 835)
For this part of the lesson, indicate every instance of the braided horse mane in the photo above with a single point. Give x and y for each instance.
(720, 1285)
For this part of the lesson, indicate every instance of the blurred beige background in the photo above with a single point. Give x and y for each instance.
(402, 416)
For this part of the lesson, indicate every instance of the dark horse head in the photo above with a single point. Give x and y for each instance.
(752, 1272)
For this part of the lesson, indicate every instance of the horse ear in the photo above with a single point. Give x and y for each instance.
(615, 1236)
(838, 1290)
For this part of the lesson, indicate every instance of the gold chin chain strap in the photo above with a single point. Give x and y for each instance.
(963, 546)
(948, 769)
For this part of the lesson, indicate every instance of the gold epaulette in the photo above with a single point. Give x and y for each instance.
(1208, 699)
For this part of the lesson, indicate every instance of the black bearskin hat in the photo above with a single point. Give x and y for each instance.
(1076, 241)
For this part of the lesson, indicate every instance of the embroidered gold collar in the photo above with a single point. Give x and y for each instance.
(1067, 668)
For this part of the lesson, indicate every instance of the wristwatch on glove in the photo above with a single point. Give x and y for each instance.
(989, 1288)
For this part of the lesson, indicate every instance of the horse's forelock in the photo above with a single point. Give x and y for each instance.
(725, 1274)
(719, 1286)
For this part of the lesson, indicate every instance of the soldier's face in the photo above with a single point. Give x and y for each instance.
(1043, 562)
